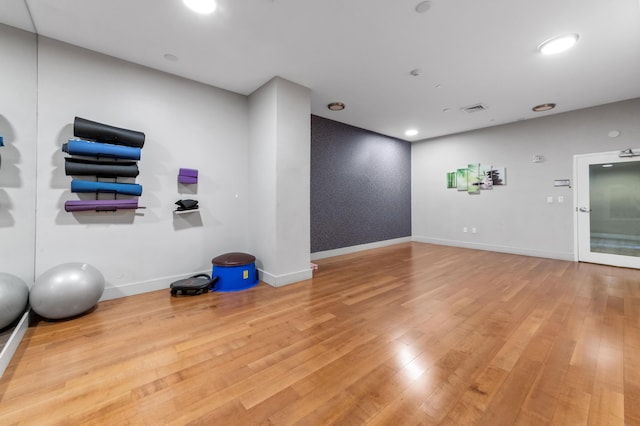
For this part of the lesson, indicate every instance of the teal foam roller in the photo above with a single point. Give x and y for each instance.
(97, 149)
(78, 185)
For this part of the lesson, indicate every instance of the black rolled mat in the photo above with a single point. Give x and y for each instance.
(84, 128)
(81, 167)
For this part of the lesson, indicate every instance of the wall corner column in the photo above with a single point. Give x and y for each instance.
(279, 181)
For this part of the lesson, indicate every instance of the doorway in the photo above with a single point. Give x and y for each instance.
(607, 208)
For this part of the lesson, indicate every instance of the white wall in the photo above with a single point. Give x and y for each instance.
(187, 124)
(262, 174)
(280, 149)
(515, 218)
(293, 182)
(18, 88)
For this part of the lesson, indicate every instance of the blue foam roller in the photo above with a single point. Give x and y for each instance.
(78, 185)
(96, 149)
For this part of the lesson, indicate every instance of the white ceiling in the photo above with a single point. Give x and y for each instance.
(361, 52)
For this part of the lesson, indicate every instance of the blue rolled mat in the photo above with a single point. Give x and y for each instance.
(78, 185)
(96, 149)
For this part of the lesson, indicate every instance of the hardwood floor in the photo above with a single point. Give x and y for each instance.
(409, 334)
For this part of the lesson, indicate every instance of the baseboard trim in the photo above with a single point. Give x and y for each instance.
(569, 256)
(286, 279)
(9, 348)
(164, 283)
(362, 247)
(144, 286)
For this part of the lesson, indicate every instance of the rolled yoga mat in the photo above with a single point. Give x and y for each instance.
(84, 128)
(96, 149)
(119, 188)
(80, 167)
(100, 205)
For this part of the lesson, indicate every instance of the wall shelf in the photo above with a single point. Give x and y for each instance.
(185, 211)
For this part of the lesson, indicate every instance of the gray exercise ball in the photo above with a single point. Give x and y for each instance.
(14, 295)
(66, 290)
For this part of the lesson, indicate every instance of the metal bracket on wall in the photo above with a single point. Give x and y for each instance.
(628, 153)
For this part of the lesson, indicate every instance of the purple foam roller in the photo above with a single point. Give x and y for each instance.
(100, 205)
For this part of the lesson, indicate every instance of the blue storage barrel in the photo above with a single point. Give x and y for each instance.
(235, 271)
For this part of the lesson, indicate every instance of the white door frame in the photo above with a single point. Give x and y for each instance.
(581, 194)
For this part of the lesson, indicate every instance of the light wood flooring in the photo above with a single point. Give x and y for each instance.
(403, 335)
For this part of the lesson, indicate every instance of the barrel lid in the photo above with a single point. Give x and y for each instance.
(233, 259)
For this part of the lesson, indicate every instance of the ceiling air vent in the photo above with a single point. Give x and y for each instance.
(474, 108)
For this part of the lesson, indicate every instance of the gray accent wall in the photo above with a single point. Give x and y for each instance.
(360, 186)
(515, 218)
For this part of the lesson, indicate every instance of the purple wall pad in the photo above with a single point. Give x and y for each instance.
(100, 205)
(187, 179)
(188, 172)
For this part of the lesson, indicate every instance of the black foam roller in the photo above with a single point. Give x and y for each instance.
(84, 128)
(80, 167)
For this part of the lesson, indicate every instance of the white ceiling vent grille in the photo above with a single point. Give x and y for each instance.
(474, 108)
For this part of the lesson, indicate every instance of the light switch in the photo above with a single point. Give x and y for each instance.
(549, 199)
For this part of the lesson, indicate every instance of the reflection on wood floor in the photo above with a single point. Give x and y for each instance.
(403, 335)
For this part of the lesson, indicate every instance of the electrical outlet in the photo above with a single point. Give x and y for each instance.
(549, 200)
(473, 230)
(560, 199)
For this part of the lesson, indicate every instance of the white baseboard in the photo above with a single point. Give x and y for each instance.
(282, 280)
(290, 278)
(12, 344)
(144, 286)
(164, 283)
(355, 249)
(569, 256)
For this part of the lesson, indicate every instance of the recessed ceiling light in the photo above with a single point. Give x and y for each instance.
(415, 72)
(411, 132)
(607, 165)
(201, 6)
(558, 44)
(543, 107)
(336, 106)
(170, 57)
(423, 6)
(614, 133)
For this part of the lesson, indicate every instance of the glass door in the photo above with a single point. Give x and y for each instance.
(608, 208)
